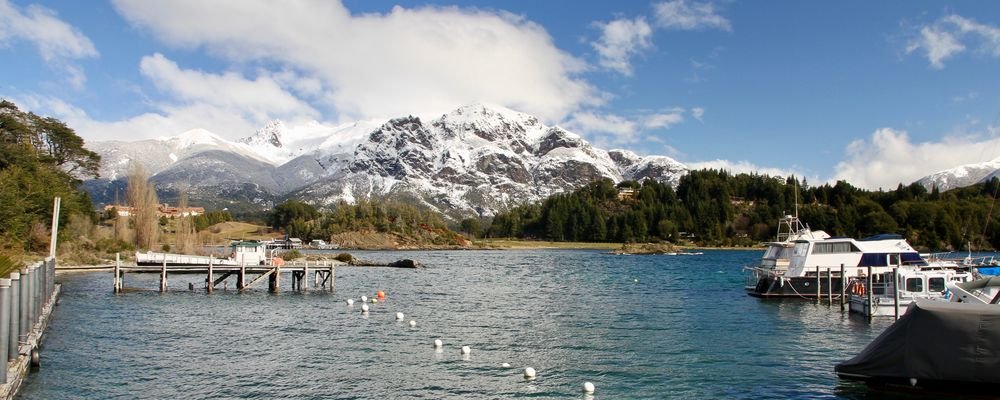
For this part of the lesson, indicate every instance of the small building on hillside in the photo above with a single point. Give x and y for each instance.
(162, 210)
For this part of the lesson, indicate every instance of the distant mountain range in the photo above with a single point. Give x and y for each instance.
(961, 176)
(475, 160)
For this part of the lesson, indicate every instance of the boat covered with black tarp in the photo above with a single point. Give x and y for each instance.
(935, 345)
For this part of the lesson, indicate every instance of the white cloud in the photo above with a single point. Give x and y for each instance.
(620, 40)
(684, 15)
(259, 99)
(612, 129)
(663, 120)
(406, 61)
(227, 104)
(698, 113)
(57, 41)
(890, 158)
(952, 35)
(621, 129)
(738, 167)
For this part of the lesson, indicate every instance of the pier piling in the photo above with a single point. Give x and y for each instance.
(210, 281)
(843, 287)
(163, 275)
(868, 295)
(22, 324)
(895, 291)
(819, 286)
(829, 286)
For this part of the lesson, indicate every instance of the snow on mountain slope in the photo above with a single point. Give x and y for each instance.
(962, 176)
(475, 160)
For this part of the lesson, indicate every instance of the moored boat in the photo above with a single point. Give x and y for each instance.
(813, 264)
(879, 296)
(940, 346)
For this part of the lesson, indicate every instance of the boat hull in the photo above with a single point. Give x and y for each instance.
(796, 287)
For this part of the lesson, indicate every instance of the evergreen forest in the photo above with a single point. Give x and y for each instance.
(716, 208)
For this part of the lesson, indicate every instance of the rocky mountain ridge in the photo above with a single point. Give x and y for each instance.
(475, 160)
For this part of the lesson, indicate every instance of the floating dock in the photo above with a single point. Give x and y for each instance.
(26, 300)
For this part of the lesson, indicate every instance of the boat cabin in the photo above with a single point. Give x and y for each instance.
(249, 252)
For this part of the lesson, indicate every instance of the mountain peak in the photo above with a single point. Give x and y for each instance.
(270, 134)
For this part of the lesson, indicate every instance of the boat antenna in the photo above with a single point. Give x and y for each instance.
(796, 196)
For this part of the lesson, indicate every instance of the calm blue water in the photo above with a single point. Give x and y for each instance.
(636, 326)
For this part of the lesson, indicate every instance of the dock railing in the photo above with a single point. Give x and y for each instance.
(26, 300)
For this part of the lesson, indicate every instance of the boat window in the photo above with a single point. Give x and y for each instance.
(935, 284)
(894, 259)
(914, 285)
(801, 249)
(835, 248)
(771, 252)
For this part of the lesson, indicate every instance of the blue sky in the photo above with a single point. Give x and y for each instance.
(876, 93)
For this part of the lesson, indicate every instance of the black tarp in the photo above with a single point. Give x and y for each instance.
(937, 341)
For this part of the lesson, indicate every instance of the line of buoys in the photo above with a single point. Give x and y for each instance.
(530, 373)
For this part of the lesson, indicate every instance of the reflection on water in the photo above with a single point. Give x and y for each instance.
(635, 326)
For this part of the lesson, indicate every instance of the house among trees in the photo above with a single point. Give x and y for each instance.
(162, 210)
(626, 193)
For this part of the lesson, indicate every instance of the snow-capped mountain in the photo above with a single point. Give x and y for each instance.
(475, 160)
(962, 176)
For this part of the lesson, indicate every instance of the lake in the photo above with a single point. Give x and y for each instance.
(638, 327)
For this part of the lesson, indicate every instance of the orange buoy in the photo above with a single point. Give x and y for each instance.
(380, 294)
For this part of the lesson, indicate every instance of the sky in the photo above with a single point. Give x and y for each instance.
(875, 93)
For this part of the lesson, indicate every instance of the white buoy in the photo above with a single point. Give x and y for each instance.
(374, 300)
(588, 387)
(350, 302)
(505, 365)
(413, 323)
(399, 316)
(364, 308)
(466, 350)
(636, 280)
(364, 299)
(438, 343)
(913, 381)
(529, 373)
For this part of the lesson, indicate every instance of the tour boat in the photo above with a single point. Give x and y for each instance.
(807, 264)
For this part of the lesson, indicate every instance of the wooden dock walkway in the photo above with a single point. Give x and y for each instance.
(245, 276)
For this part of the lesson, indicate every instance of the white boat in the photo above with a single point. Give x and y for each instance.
(240, 252)
(808, 264)
(984, 291)
(905, 284)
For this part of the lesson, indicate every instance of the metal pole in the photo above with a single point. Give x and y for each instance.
(31, 297)
(895, 291)
(868, 295)
(22, 324)
(55, 226)
(4, 325)
(15, 316)
(843, 287)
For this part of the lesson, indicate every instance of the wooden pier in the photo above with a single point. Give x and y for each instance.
(245, 276)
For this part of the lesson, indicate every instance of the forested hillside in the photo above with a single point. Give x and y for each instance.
(712, 207)
(40, 158)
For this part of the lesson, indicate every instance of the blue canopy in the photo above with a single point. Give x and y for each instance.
(882, 259)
